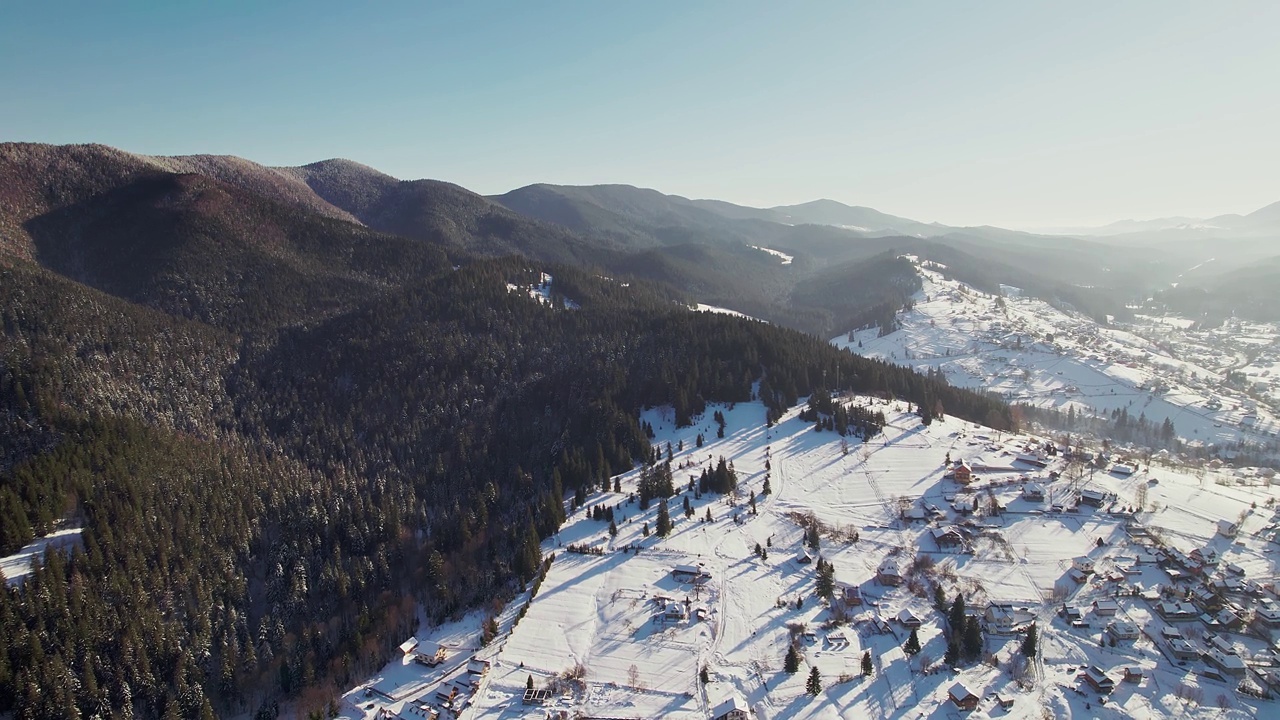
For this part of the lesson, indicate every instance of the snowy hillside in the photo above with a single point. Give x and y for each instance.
(622, 626)
(1031, 352)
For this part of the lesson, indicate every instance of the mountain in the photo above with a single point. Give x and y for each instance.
(862, 219)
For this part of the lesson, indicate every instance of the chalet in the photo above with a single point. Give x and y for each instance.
(1122, 631)
(1169, 632)
(963, 473)
(1032, 459)
(1268, 615)
(477, 667)
(1235, 569)
(915, 514)
(963, 697)
(674, 612)
(1226, 528)
(1096, 498)
(1076, 576)
(947, 538)
(445, 695)
(407, 646)
(1004, 701)
(1033, 492)
(1174, 610)
(850, 595)
(1105, 607)
(1122, 470)
(1182, 649)
(1134, 674)
(803, 558)
(690, 573)
(1003, 618)
(889, 573)
(430, 654)
(964, 504)
(1099, 680)
(1204, 556)
(1226, 663)
(1083, 563)
(909, 619)
(536, 697)
(733, 708)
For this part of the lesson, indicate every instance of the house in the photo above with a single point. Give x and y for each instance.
(690, 573)
(477, 667)
(964, 504)
(915, 514)
(1182, 649)
(850, 595)
(407, 646)
(1228, 620)
(1226, 663)
(1105, 607)
(1004, 701)
(1033, 492)
(963, 473)
(674, 612)
(963, 697)
(1004, 618)
(430, 654)
(1134, 674)
(732, 708)
(1122, 631)
(1096, 498)
(1226, 528)
(1078, 577)
(1269, 615)
(947, 538)
(445, 695)
(1083, 563)
(1098, 680)
(1122, 470)
(909, 619)
(1032, 459)
(1174, 610)
(889, 573)
(803, 558)
(1204, 556)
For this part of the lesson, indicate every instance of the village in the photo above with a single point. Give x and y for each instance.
(1150, 587)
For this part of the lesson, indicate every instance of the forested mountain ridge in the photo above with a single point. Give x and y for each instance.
(283, 431)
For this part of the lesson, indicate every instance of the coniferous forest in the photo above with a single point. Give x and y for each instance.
(283, 433)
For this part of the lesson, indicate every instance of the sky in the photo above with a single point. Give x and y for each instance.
(1020, 114)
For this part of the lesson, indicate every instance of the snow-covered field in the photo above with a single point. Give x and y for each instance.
(17, 566)
(1031, 352)
(596, 612)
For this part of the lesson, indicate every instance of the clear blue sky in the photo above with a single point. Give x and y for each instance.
(1012, 113)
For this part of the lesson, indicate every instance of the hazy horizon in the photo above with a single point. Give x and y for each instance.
(1021, 115)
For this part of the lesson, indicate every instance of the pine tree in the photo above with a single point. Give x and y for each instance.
(1029, 642)
(972, 639)
(913, 643)
(791, 663)
(866, 664)
(952, 657)
(826, 580)
(664, 519)
(939, 598)
(955, 620)
(814, 685)
(704, 675)
(528, 684)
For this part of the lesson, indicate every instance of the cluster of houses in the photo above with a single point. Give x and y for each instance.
(450, 696)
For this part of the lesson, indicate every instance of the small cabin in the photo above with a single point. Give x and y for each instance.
(1099, 680)
(963, 473)
(909, 619)
(889, 573)
(690, 573)
(963, 697)
(1226, 528)
(1105, 607)
(1033, 492)
(733, 708)
(1134, 674)
(430, 654)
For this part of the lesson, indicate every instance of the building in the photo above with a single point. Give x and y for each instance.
(1033, 492)
(1226, 663)
(850, 595)
(803, 557)
(1099, 680)
(478, 667)
(733, 708)
(1268, 615)
(947, 538)
(963, 473)
(889, 573)
(1122, 470)
(1096, 498)
(1182, 649)
(430, 654)
(1106, 607)
(407, 646)
(536, 697)
(690, 573)
(1226, 528)
(1083, 563)
(963, 697)
(1134, 674)
(1004, 618)
(1174, 610)
(909, 619)
(1123, 631)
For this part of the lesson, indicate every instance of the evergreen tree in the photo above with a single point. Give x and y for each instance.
(528, 684)
(939, 598)
(814, 685)
(867, 667)
(826, 580)
(1029, 642)
(955, 620)
(704, 675)
(664, 519)
(791, 663)
(913, 643)
(972, 640)
(952, 657)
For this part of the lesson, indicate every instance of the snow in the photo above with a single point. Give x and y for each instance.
(542, 292)
(786, 259)
(1031, 352)
(702, 307)
(17, 567)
